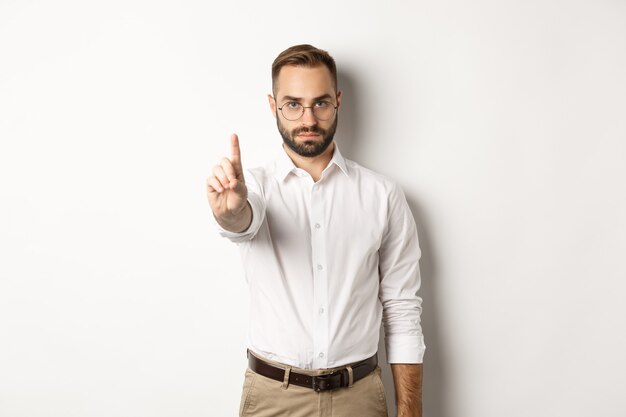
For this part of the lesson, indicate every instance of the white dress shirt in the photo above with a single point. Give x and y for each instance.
(326, 261)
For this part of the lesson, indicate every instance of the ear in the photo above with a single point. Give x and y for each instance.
(272, 102)
(338, 100)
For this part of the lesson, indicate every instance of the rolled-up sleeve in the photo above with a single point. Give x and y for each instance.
(400, 280)
(257, 203)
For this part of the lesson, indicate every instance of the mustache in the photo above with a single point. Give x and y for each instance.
(312, 129)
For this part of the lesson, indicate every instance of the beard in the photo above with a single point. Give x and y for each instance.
(308, 148)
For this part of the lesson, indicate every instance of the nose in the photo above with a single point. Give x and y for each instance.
(308, 118)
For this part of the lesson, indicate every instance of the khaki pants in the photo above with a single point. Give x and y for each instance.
(265, 397)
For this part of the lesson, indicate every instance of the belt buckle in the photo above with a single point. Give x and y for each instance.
(326, 382)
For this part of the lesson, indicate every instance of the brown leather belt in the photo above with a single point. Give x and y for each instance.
(324, 382)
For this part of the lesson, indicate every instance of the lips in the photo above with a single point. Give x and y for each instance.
(310, 134)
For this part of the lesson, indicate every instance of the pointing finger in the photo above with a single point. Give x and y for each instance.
(235, 151)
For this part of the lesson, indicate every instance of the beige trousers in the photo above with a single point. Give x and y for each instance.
(265, 397)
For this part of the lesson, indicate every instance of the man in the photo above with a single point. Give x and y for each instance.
(330, 249)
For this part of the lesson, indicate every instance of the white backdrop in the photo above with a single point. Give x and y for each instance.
(504, 121)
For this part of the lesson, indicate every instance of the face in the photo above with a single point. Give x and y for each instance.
(306, 136)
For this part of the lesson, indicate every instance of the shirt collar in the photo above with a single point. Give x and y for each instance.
(284, 165)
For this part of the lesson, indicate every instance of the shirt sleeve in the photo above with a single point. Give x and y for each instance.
(257, 203)
(400, 280)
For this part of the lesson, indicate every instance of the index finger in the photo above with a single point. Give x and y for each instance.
(234, 149)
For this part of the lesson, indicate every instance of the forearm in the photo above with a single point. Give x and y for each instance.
(407, 380)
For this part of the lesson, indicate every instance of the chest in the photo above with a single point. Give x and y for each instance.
(341, 213)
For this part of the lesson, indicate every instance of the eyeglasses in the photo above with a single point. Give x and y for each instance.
(322, 110)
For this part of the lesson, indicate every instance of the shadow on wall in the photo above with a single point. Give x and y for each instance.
(348, 129)
(434, 383)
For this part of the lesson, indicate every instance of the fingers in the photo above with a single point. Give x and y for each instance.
(213, 185)
(228, 174)
(228, 169)
(222, 181)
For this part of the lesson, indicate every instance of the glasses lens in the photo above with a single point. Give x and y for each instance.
(292, 111)
(323, 110)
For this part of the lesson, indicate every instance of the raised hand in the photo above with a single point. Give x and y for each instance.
(227, 192)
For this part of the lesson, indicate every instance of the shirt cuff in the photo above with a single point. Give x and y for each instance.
(405, 349)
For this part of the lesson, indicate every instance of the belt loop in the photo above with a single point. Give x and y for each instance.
(350, 376)
(286, 378)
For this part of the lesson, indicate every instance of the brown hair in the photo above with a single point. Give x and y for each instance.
(303, 56)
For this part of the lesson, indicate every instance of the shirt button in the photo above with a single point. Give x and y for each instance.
(319, 267)
(321, 355)
(321, 310)
(317, 225)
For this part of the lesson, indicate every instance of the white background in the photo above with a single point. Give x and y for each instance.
(504, 122)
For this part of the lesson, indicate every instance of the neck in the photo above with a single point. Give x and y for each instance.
(314, 165)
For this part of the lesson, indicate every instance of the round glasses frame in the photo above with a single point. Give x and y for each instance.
(313, 108)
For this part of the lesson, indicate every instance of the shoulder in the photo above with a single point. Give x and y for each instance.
(371, 178)
(378, 190)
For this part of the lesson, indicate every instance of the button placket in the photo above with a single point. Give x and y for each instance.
(320, 283)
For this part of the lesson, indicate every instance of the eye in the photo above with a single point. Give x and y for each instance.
(292, 105)
(322, 104)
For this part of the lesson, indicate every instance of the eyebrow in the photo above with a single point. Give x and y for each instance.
(291, 98)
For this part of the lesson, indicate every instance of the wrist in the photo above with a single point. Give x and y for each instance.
(237, 221)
